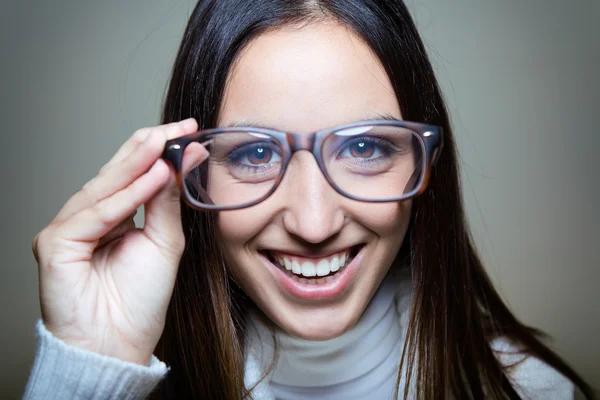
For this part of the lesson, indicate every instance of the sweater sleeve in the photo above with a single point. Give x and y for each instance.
(532, 378)
(61, 371)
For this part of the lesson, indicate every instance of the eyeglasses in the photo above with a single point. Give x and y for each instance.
(372, 161)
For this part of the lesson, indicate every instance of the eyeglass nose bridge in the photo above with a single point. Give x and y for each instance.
(310, 142)
(299, 141)
(306, 141)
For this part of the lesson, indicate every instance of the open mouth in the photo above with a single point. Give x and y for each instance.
(313, 270)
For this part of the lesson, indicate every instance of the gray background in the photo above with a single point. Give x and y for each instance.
(520, 77)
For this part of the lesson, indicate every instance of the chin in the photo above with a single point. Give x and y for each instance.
(318, 325)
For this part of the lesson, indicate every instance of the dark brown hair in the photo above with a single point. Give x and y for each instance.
(456, 312)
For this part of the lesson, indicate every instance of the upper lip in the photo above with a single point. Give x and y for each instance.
(309, 254)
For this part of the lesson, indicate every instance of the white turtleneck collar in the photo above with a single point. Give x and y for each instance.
(361, 363)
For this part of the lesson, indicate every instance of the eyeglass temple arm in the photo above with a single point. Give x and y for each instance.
(202, 193)
(173, 153)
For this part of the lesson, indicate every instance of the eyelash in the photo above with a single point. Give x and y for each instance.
(235, 155)
(383, 145)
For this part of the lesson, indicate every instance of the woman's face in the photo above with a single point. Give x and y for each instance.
(303, 79)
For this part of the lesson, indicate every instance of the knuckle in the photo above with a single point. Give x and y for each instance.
(102, 214)
(179, 246)
(86, 186)
(88, 192)
(180, 241)
(174, 130)
(35, 247)
(105, 168)
(140, 135)
(173, 246)
(163, 132)
(108, 212)
(39, 243)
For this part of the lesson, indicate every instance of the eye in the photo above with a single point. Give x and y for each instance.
(362, 148)
(256, 154)
(260, 155)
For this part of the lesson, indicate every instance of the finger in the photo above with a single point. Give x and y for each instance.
(112, 175)
(118, 232)
(35, 247)
(193, 155)
(113, 179)
(82, 200)
(117, 178)
(93, 223)
(189, 126)
(163, 213)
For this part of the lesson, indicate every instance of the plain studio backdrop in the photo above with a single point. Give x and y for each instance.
(520, 78)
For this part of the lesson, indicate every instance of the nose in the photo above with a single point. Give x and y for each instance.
(313, 210)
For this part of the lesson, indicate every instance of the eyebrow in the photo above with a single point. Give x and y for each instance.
(247, 123)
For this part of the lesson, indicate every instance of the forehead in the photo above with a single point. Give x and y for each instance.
(306, 78)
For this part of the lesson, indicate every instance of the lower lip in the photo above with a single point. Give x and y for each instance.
(319, 291)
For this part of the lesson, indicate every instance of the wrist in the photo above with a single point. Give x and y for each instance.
(139, 352)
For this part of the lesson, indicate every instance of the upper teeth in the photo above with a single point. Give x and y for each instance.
(317, 267)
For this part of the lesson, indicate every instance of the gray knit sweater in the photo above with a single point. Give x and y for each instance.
(61, 372)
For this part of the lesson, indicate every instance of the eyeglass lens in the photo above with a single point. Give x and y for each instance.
(370, 163)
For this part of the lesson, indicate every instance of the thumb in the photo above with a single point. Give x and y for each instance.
(162, 218)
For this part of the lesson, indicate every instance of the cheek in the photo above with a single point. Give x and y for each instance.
(387, 220)
(235, 228)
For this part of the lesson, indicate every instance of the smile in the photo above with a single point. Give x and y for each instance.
(317, 270)
(315, 278)
(313, 270)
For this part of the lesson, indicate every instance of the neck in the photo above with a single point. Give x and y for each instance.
(366, 357)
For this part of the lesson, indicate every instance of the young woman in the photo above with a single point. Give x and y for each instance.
(320, 250)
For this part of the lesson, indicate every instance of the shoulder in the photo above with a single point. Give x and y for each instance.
(532, 378)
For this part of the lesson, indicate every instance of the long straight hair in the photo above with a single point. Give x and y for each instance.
(456, 312)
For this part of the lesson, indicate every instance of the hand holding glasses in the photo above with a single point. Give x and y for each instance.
(93, 243)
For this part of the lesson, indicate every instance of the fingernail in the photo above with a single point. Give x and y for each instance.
(188, 123)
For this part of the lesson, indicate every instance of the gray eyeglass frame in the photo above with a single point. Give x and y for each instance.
(429, 136)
